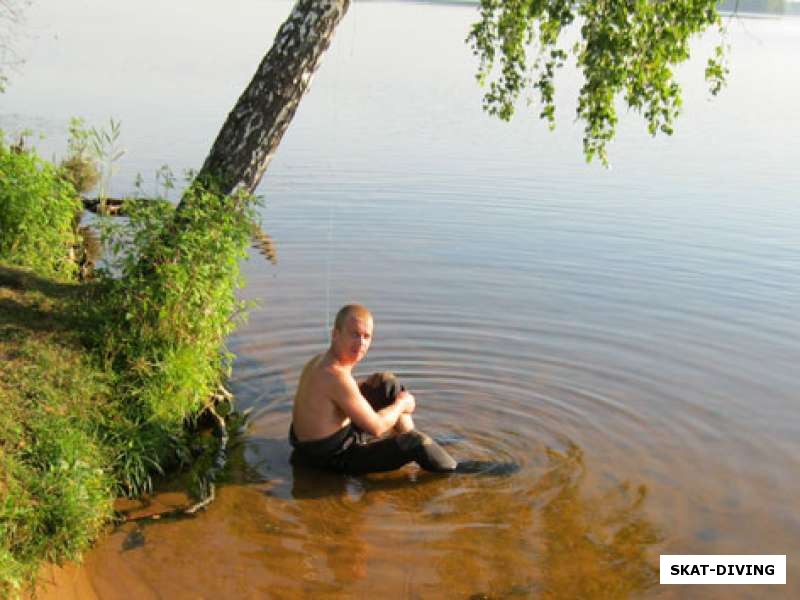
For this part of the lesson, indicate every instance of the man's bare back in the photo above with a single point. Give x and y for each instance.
(315, 414)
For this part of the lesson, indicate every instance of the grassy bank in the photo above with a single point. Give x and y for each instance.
(56, 480)
(101, 381)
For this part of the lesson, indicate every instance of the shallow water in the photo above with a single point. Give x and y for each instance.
(627, 337)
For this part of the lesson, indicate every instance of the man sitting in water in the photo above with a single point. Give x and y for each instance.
(340, 425)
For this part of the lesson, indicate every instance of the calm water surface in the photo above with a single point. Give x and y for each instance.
(628, 337)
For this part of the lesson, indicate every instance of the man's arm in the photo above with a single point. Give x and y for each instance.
(348, 398)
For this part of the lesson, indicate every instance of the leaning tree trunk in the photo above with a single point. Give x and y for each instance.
(254, 128)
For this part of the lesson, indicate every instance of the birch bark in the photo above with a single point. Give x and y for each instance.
(254, 128)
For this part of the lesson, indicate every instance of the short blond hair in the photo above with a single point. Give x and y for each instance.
(358, 311)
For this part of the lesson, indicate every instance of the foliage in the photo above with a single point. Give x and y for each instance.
(104, 144)
(81, 172)
(55, 489)
(93, 156)
(626, 48)
(165, 180)
(79, 167)
(99, 380)
(166, 304)
(37, 214)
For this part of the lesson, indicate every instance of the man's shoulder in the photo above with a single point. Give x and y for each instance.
(338, 379)
(324, 374)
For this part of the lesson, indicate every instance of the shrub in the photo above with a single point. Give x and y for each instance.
(165, 312)
(100, 379)
(81, 172)
(80, 167)
(37, 214)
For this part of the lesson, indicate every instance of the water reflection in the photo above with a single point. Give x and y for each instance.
(573, 544)
(264, 244)
(538, 533)
(594, 545)
(340, 540)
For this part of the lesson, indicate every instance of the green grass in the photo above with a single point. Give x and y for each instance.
(101, 382)
(56, 488)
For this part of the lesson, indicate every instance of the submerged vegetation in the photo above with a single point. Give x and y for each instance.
(102, 380)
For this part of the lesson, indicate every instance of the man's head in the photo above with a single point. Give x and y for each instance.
(352, 333)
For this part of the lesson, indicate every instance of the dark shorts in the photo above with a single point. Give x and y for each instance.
(351, 450)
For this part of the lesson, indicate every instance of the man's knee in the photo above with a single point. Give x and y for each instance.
(380, 389)
(381, 378)
(428, 454)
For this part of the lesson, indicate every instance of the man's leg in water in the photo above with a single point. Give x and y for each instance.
(390, 453)
(408, 444)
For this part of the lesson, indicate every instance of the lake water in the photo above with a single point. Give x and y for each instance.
(629, 337)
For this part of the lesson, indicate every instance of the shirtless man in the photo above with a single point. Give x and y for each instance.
(340, 425)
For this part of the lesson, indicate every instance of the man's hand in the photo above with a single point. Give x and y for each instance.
(345, 394)
(407, 399)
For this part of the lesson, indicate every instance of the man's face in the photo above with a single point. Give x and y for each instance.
(352, 341)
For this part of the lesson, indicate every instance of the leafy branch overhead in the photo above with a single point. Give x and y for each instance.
(625, 48)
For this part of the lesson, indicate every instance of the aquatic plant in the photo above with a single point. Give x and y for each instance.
(104, 144)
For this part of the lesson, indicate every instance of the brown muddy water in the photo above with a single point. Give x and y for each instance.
(628, 338)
